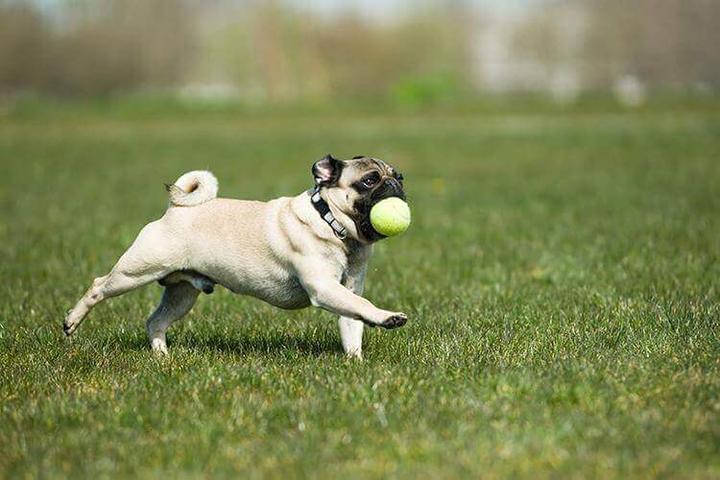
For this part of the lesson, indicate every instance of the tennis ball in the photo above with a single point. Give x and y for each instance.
(390, 217)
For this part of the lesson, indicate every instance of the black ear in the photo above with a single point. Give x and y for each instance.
(327, 170)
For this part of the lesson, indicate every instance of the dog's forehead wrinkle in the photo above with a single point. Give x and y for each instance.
(361, 165)
(358, 170)
(385, 168)
(382, 166)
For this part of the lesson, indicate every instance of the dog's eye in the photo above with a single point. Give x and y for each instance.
(371, 180)
(400, 177)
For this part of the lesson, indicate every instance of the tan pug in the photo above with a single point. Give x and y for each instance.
(291, 252)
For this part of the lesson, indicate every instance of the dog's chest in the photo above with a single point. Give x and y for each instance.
(271, 282)
(285, 292)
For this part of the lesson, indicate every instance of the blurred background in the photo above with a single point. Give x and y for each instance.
(395, 51)
(560, 274)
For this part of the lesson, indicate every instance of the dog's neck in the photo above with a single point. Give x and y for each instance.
(313, 216)
(330, 196)
(326, 213)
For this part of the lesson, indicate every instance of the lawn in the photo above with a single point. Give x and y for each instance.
(561, 278)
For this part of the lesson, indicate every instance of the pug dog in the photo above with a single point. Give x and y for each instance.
(292, 252)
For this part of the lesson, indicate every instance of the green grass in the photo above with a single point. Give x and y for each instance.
(561, 277)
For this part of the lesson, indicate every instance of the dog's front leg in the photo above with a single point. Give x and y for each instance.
(351, 330)
(334, 297)
(329, 294)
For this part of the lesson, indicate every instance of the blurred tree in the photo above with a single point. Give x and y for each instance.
(665, 43)
(279, 51)
(24, 48)
(95, 47)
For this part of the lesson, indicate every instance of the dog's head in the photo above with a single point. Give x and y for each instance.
(355, 186)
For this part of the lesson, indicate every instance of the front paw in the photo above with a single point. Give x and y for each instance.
(395, 321)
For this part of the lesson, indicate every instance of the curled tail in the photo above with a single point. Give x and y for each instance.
(193, 188)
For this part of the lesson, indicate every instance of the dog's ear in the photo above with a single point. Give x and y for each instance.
(327, 170)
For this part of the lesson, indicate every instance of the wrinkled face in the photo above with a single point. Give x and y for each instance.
(355, 186)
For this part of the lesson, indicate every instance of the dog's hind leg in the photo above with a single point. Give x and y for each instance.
(177, 300)
(111, 285)
(144, 262)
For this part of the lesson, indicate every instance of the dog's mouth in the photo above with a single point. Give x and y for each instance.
(388, 189)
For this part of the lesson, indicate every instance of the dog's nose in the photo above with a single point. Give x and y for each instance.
(396, 187)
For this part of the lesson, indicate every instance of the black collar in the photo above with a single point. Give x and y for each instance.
(324, 210)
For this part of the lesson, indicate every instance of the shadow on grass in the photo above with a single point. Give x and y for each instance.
(272, 344)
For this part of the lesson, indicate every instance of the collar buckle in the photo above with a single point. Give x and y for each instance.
(323, 209)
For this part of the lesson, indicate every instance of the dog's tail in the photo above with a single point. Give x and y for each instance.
(193, 188)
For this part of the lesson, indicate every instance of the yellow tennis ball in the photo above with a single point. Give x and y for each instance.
(390, 216)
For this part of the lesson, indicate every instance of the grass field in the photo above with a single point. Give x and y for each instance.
(561, 278)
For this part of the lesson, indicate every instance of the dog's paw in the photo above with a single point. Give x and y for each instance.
(159, 347)
(68, 326)
(395, 321)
